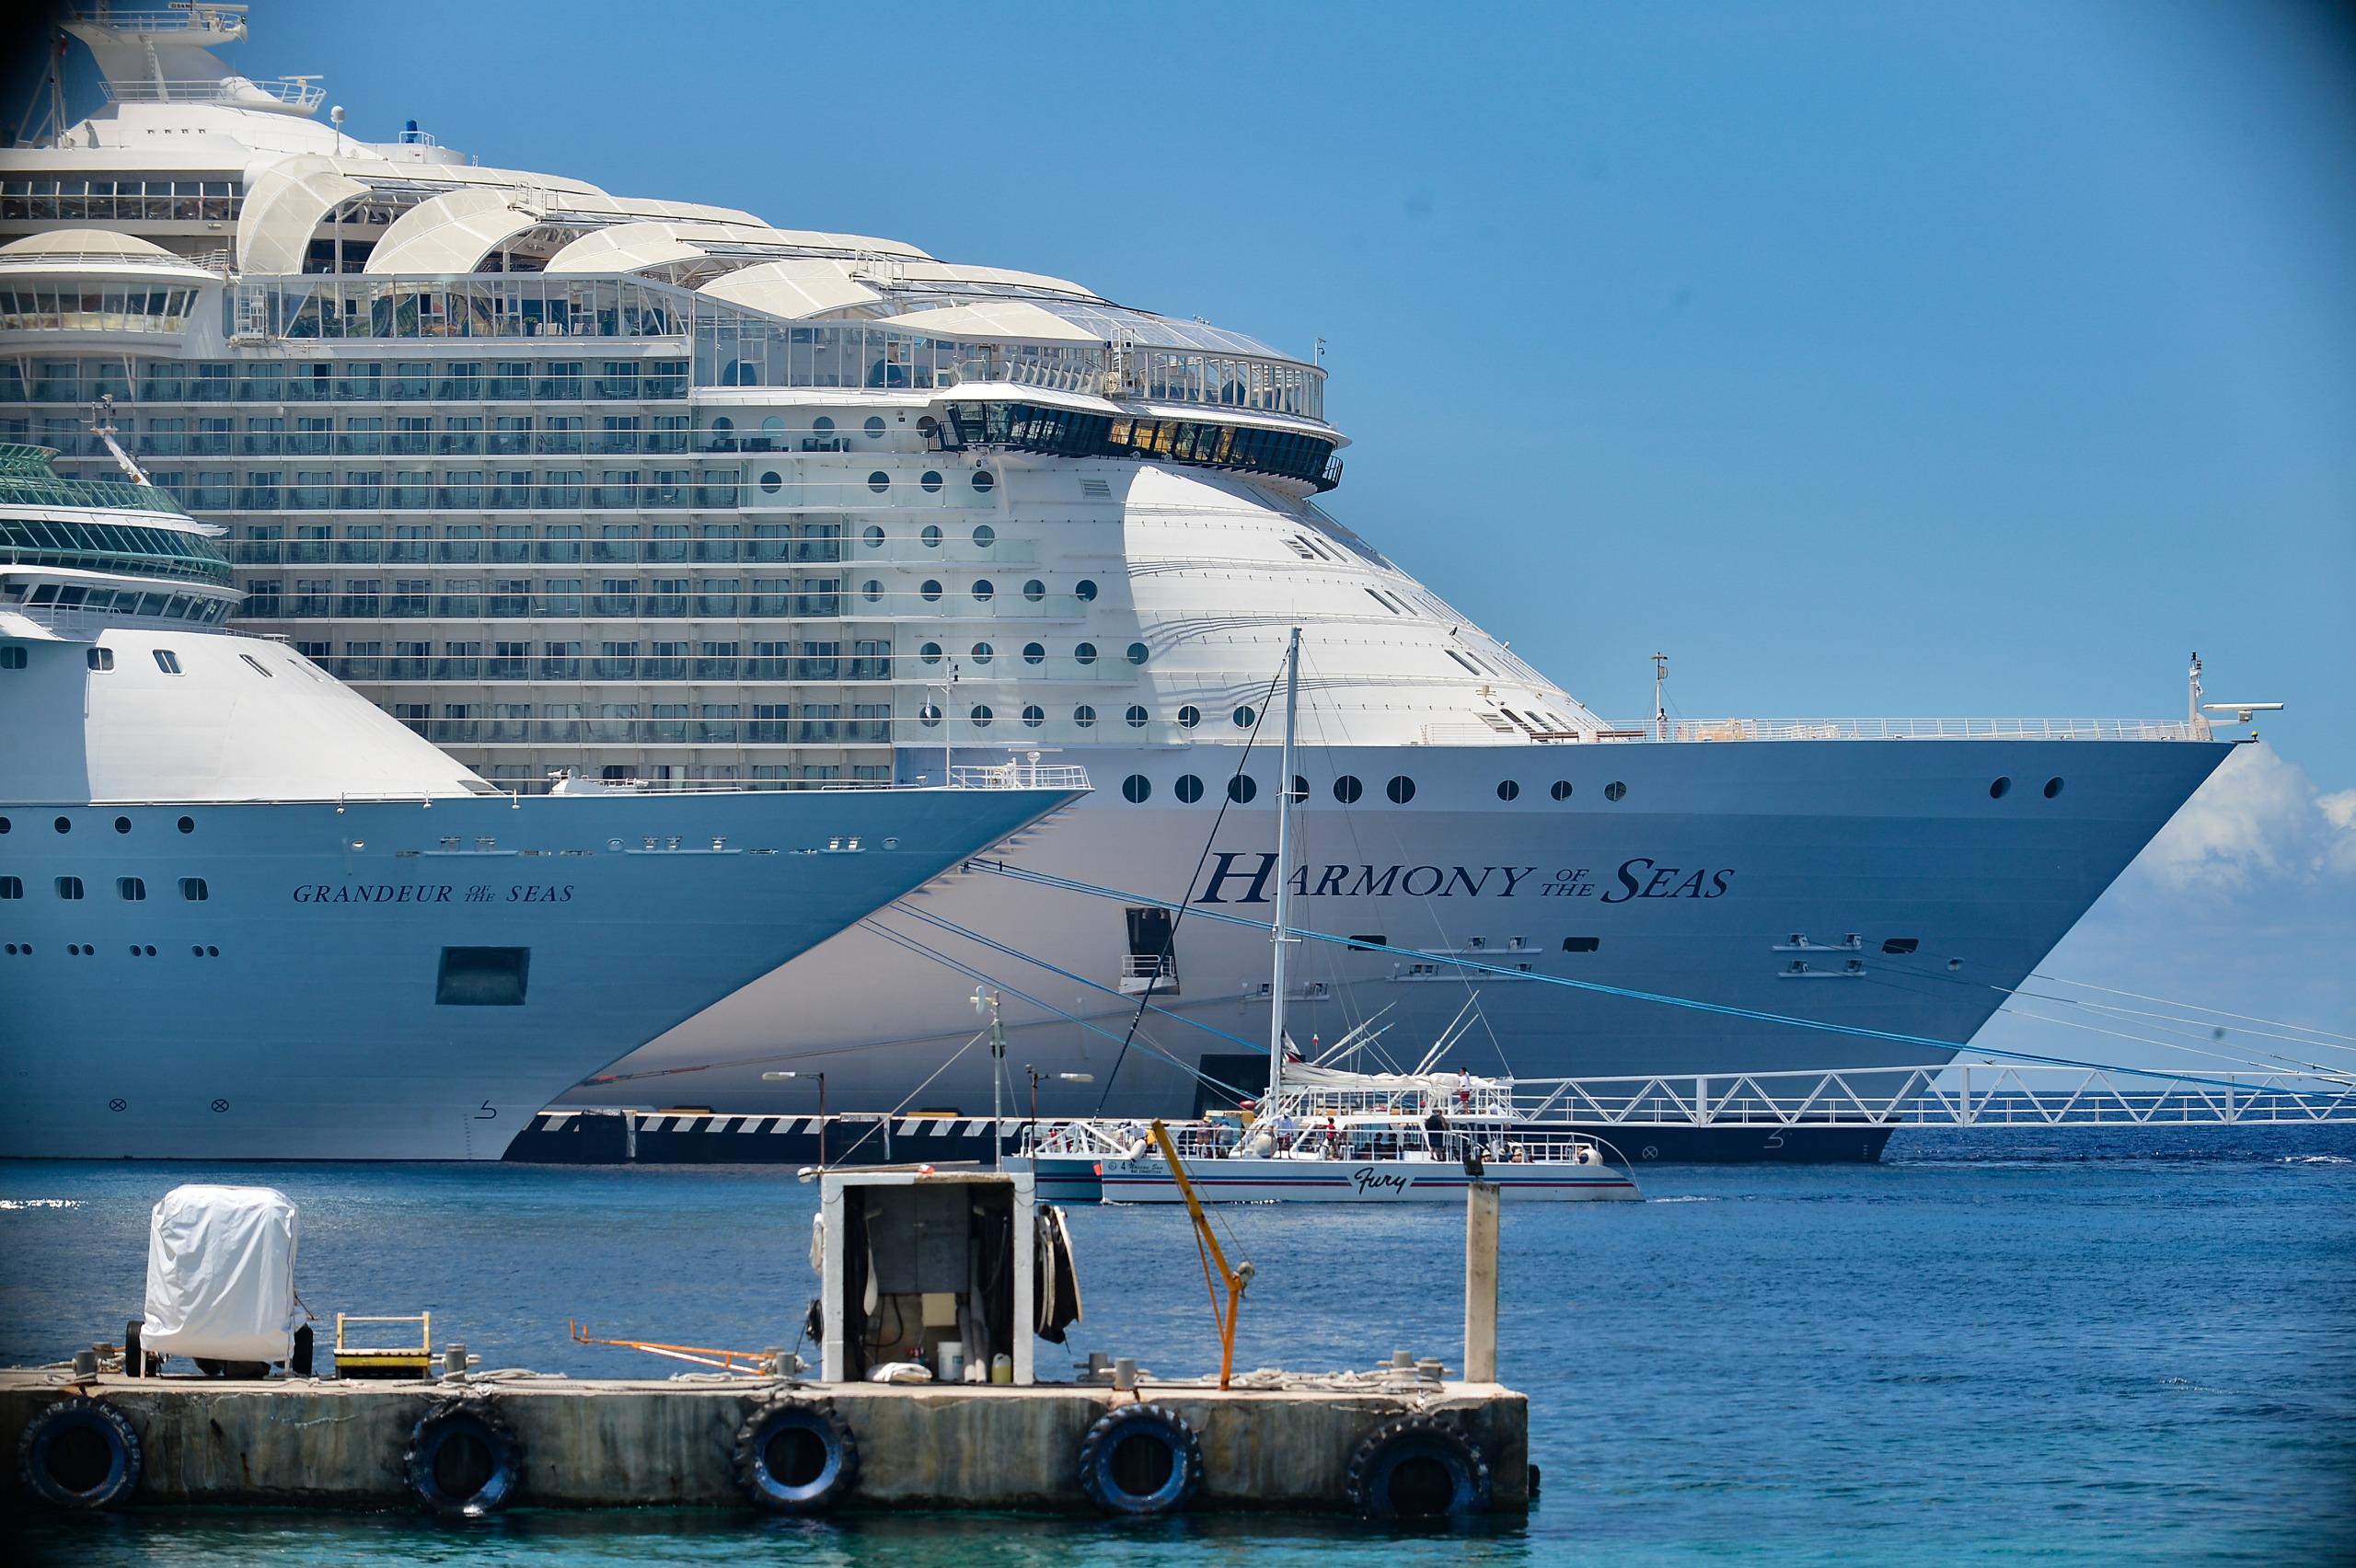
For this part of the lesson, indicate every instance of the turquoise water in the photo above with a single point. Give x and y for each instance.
(2058, 1347)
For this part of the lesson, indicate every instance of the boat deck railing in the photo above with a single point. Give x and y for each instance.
(1890, 730)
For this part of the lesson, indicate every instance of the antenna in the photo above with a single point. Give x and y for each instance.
(2192, 701)
(1660, 712)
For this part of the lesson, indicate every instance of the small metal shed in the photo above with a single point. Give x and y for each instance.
(914, 1259)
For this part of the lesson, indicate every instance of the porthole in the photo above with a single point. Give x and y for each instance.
(872, 538)
(64, 824)
(773, 425)
(930, 652)
(8, 826)
(1997, 792)
(928, 716)
(984, 481)
(931, 482)
(981, 716)
(1615, 790)
(1401, 790)
(822, 427)
(1347, 790)
(215, 952)
(982, 654)
(122, 825)
(1244, 717)
(2053, 788)
(1084, 591)
(1033, 653)
(771, 482)
(932, 536)
(1560, 789)
(1136, 789)
(984, 589)
(1508, 790)
(1083, 716)
(1241, 788)
(875, 427)
(187, 825)
(1188, 789)
(1137, 717)
(872, 590)
(930, 590)
(1299, 789)
(984, 536)
(1034, 717)
(1034, 590)
(879, 481)
(1138, 653)
(1190, 716)
(1085, 653)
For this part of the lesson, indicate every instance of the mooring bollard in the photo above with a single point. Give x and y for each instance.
(1481, 1282)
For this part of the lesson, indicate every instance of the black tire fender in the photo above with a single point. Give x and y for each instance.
(796, 1456)
(79, 1454)
(1418, 1465)
(463, 1459)
(1140, 1458)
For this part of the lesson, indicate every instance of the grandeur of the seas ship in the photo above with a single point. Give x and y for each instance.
(644, 489)
(245, 914)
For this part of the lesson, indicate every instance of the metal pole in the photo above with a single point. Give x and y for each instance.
(1284, 874)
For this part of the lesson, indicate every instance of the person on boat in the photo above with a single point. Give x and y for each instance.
(1436, 1132)
(1464, 1090)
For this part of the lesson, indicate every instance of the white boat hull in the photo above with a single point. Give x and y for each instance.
(1249, 1180)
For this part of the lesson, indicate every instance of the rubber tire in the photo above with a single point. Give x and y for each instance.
(834, 1478)
(124, 1457)
(1377, 1461)
(1115, 1427)
(447, 1419)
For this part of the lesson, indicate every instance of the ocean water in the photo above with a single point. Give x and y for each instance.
(2056, 1347)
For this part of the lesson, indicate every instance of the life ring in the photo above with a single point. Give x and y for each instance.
(1140, 1458)
(1418, 1467)
(462, 1460)
(78, 1453)
(796, 1456)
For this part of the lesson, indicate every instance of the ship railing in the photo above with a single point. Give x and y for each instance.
(1950, 1094)
(298, 93)
(1886, 730)
(1019, 776)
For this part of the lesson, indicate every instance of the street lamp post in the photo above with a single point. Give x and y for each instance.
(773, 1077)
(1031, 1134)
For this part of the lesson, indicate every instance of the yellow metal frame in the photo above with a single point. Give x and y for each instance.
(1206, 1245)
(383, 1357)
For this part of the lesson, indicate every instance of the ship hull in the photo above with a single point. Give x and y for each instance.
(1692, 885)
(403, 981)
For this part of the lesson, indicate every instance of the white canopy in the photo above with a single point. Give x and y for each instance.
(221, 1274)
(284, 202)
(796, 289)
(997, 320)
(452, 233)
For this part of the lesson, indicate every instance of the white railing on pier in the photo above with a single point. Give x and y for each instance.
(1952, 1095)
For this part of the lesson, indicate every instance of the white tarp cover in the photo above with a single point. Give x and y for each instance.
(221, 1274)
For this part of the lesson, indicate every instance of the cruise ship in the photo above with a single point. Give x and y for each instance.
(245, 914)
(641, 491)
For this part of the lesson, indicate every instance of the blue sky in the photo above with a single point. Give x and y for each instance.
(1865, 359)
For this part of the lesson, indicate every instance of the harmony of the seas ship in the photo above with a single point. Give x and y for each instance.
(641, 489)
(245, 915)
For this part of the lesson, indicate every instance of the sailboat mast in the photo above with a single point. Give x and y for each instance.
(1283, 873)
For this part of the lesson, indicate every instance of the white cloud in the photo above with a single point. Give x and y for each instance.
(2259, 819)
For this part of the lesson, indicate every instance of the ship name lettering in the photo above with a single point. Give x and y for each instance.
(1367, 1179)
(381, 893)
(521, 893)
(1663, 881)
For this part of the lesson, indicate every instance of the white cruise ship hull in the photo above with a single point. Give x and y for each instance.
(304, 1009)
(1693, 886)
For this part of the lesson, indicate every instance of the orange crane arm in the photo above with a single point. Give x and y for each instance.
(1207, 1244)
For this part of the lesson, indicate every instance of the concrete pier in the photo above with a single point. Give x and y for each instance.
(629, 1444)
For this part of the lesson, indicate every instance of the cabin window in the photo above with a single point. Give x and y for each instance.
(1083, 716)
(193, 889)
(131, 890)
(1997, 792)
(167, 661)
(1901, 944)
(1615, 790)
(879, 481)
(97, 658)
(1508, 790)
(1560, 789)
(1401, 790)
(1347, 790)
(1190, 716)
(1188, 789)
(1136, 789)
(1241, 788)
(984, 536)
(2053, 788)
(931, 482)
(1581, 944)
(69, 887)
(1137, 717)
(12, 887)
